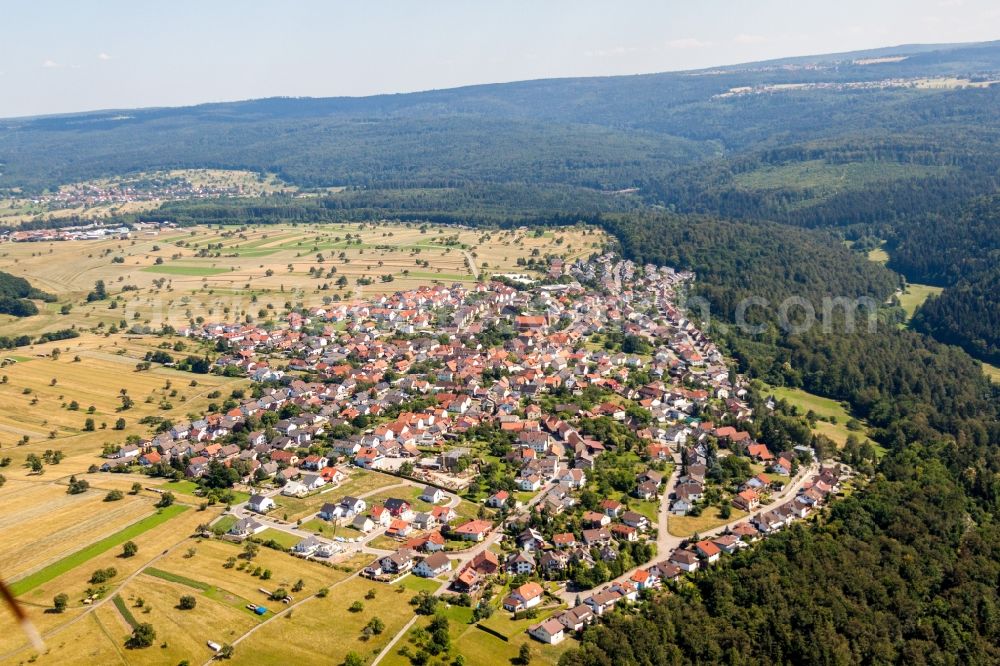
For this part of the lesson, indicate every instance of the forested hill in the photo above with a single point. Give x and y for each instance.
(600, 132)
(15, 295)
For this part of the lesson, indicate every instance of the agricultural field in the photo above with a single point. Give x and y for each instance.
(326, 624)
(38, 394)
(178, 275)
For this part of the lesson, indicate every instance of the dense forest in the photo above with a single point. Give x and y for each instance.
(15, 293)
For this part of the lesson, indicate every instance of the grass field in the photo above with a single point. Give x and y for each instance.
(825, 408)
(83, 555)
(709, 519)
(878, 255)
(992, 371)
(176, 269)
(323, 630)
(914, 296)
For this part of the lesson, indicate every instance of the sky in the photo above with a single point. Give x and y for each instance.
(61, 56)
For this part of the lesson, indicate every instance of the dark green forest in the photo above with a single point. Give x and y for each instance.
(15, 293)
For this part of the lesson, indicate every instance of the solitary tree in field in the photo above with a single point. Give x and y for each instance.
(142, 636)
(129, 549)
(59, 603)
(187, 602)
(166, 499)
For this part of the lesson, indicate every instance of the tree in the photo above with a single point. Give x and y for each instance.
(187, 602)
(524, 654)
(142, 636)
(356, 607)
(225, 652)
(88, 425)
(166, 499)
(250, 550)
(77, 486)
(120, 424)
(374, 627)
(136, 488)
(59, 602)
(353, 659)
(129, 549)
(114, 496)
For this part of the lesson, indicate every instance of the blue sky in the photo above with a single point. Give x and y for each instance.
(62, 56)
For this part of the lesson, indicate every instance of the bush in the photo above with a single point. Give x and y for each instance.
(187, 602)
(356, 607)
(114, 496)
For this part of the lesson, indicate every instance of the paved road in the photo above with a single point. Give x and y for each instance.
(667, 542)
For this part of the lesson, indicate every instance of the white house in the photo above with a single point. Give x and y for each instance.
(260, 504)
(550, 631)
(432, 494)
(294, 489)
(433, 565)
(363, 523)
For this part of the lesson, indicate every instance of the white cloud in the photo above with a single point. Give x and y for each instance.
(951, 3)
(103, 56)
(750, 39)
(50, 64)
(687, 43)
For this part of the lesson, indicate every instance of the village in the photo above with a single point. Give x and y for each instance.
(548, 450)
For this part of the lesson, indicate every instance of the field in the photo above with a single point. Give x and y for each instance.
(992, 371)
(84, 555)
(709, 519)
(324, 629)
(915, 295)
(38, 397)
(233, 272)
(834, 416)
(822, 179)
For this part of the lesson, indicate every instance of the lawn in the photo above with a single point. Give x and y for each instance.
(168, 269)
(650, 509)
(329, 530)
(685, 526)
(284, 538)
(418, 584)
(60, 567)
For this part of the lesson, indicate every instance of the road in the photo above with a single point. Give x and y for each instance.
(666, 542)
